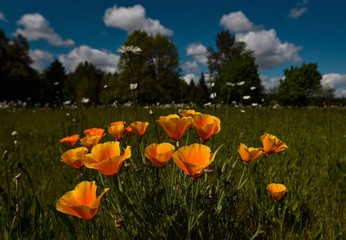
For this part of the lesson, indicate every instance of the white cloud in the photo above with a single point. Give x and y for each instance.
(299, 9)
(270, 82)
(104, 60)
(336, 81)
(191, 67)
(268, 49)
(40, 58)
(190, 77)
(133, 18)
(2, 17)
(199, 52)
(36, 27)
(236, 22)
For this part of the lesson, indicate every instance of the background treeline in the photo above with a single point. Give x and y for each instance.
(233, 77)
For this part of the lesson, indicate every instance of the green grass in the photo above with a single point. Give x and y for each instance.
(152, 203)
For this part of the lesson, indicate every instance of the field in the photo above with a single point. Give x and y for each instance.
(145, 202)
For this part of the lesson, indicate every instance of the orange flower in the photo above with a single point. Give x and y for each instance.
(128, 130)
(106, 158)
(74, 157)
(91, 132)
(81, 202)
(206, 125)
(193, 159)
(276, 191)
(117, 129)
(70, 140)
(139, 128)
(159, 154)
(249, 154)
(272, 144)
(90, 141)
(174, 126)
(188, 112)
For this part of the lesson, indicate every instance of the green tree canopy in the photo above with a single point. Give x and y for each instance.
(234, 70)
(299, 84)
(155, 69)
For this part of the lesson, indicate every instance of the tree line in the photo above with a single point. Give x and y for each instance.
(153, 76)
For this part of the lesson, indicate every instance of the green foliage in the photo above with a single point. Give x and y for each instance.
(232, 63)
(299, 85)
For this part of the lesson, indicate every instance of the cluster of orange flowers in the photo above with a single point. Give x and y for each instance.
(108, 157)
(271, 145)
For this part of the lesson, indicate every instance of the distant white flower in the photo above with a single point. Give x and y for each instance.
(212, 84)
(254, 104)
(67, 102)
(212, 95)
(15, 142)
(133, 86)
(246, 97)
(242, 111)
(252, 88)
(105, 86)
(56, 83)
(67, 114)
(240, 83)
(129, 49)
(14, 133)
(85, 100)
(230, 84)
(151, 112)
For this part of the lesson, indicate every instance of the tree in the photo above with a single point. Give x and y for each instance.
(84, 82)
(54, 79)
(19, 81)
(202, 91)
(299, 85)
(155, 69)
(233, 70)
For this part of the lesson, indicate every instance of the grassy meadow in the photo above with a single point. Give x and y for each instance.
(145, 202)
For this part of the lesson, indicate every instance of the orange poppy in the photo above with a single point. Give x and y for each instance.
(81, 202)
(70, 140)
(174, 126)
(206, 125)
(106, 158)
(128, 130)
(193, 159)
(272, 144)
(139, 128)
(188, 112)
(90, 141)
(249, 154)
(117, 129)
(276, 191)
(90, 132)
(74, 157)
(159, 154)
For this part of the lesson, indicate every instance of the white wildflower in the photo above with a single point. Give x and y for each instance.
(246, 97)
(240, 83)
(252, 88)
(133, 86)
(85, 100)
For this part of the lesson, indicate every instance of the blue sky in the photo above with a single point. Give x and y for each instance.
(281, 33)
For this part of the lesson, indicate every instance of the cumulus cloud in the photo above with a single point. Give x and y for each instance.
(35, 27)
(190, 77)
(104, 60)
(268, 49)
(199, 52)
(133, 18)
(336, 81)
(191, 67)
(40, 58)
(299, 9)
(2, 17)
(270, 83)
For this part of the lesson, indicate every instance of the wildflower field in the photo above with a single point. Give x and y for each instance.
(216, 173)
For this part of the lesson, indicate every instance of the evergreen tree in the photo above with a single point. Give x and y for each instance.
(202, 91)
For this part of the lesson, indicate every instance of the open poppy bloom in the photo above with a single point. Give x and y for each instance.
(90, 141)
(249, 154)
(70, 140)
(117, 129)
(74, 157)
(193, 159)
(106, 158)
(139, 128)
(272, 144)
(276, 191)
(81, 202)
(188, 112)
(90, 132)
(206, 125)
(159, 154)
(174, 126)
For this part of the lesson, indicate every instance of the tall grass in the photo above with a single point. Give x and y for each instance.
(145, 202)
